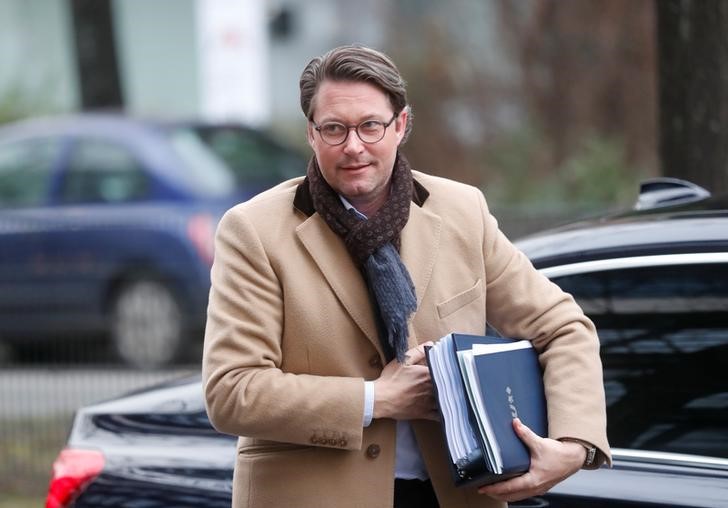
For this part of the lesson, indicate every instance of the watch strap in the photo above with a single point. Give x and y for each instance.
(591, 450)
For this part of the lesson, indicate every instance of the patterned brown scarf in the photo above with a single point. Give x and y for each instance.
(374, 246)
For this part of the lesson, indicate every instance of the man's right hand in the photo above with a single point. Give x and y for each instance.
(404, 390)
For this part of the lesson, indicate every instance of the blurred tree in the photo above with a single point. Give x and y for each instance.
(448, 87)
(15, 104)
(533, 100)
(588, 71)
(693, 90)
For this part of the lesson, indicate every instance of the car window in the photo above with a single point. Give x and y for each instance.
(203, 169)
(251, 157)
(25, 171)
(664, 346)
(102, 171)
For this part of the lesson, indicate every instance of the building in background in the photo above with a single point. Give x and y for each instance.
(212, 59)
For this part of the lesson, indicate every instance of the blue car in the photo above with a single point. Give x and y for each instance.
(107, 224)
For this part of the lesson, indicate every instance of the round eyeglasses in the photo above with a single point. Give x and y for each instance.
(369, 131)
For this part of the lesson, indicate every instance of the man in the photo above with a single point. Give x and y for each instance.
(324, 291)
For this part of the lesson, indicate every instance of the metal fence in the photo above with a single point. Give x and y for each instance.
(37, 404)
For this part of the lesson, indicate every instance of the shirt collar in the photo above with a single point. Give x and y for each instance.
(349, 206)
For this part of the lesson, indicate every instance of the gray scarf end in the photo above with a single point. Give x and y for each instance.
(394, 293)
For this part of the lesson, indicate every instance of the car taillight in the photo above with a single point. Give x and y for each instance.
(201, 232)
(72, 471)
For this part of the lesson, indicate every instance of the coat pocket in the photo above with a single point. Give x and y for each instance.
(460, 300)
(268, 447)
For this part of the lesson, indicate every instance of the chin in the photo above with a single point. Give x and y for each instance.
(355, 188)
(353, 194)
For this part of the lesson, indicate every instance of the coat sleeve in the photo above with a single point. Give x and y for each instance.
(246, 391)
(521, 302)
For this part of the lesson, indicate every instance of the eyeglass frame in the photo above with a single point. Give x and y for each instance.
(348, 128)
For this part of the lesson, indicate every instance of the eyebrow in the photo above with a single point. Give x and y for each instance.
(371, 116)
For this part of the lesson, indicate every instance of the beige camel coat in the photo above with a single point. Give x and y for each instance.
(291, 338)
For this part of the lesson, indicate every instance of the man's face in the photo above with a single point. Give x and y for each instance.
(358, 171)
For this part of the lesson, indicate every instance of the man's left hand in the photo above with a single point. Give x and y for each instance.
(551, 462)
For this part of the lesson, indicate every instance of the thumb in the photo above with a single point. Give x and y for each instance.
(529, 437)
(416, 354)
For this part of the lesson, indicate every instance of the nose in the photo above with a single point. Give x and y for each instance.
(353, 144)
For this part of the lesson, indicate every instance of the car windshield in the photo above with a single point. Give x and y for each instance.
(206, 171)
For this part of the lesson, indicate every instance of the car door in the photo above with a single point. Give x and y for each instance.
(643, 479)
(95, 197)
(663, 327)
(27, 169)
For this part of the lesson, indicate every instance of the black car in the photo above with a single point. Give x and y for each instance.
(655, 282)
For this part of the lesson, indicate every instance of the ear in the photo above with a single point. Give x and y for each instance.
(400, 124)
(309, 134)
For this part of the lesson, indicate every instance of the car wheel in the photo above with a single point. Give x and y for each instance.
(146, 326)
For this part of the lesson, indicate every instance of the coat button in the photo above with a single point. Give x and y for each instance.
(375, 362)
(373, 451)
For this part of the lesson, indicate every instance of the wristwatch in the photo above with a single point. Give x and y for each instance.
(591, 450)
(591, 455)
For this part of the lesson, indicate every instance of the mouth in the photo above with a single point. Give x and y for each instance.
(354, 167)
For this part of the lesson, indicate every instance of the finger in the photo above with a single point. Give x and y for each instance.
(504, 489)
(415, 355)
(529, 437)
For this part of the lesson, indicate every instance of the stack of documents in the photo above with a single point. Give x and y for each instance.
(482, 383)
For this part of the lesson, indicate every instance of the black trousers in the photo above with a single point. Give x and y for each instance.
(414, 494)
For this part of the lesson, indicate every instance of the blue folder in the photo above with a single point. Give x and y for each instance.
(512, 385)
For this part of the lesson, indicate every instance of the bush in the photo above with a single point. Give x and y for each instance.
(17, 103)
(595, 176)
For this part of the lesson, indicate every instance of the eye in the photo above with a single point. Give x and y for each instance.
(370, 126)
(332, 129)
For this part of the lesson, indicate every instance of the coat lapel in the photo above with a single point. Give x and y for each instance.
(340, 272)
(420, 245)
